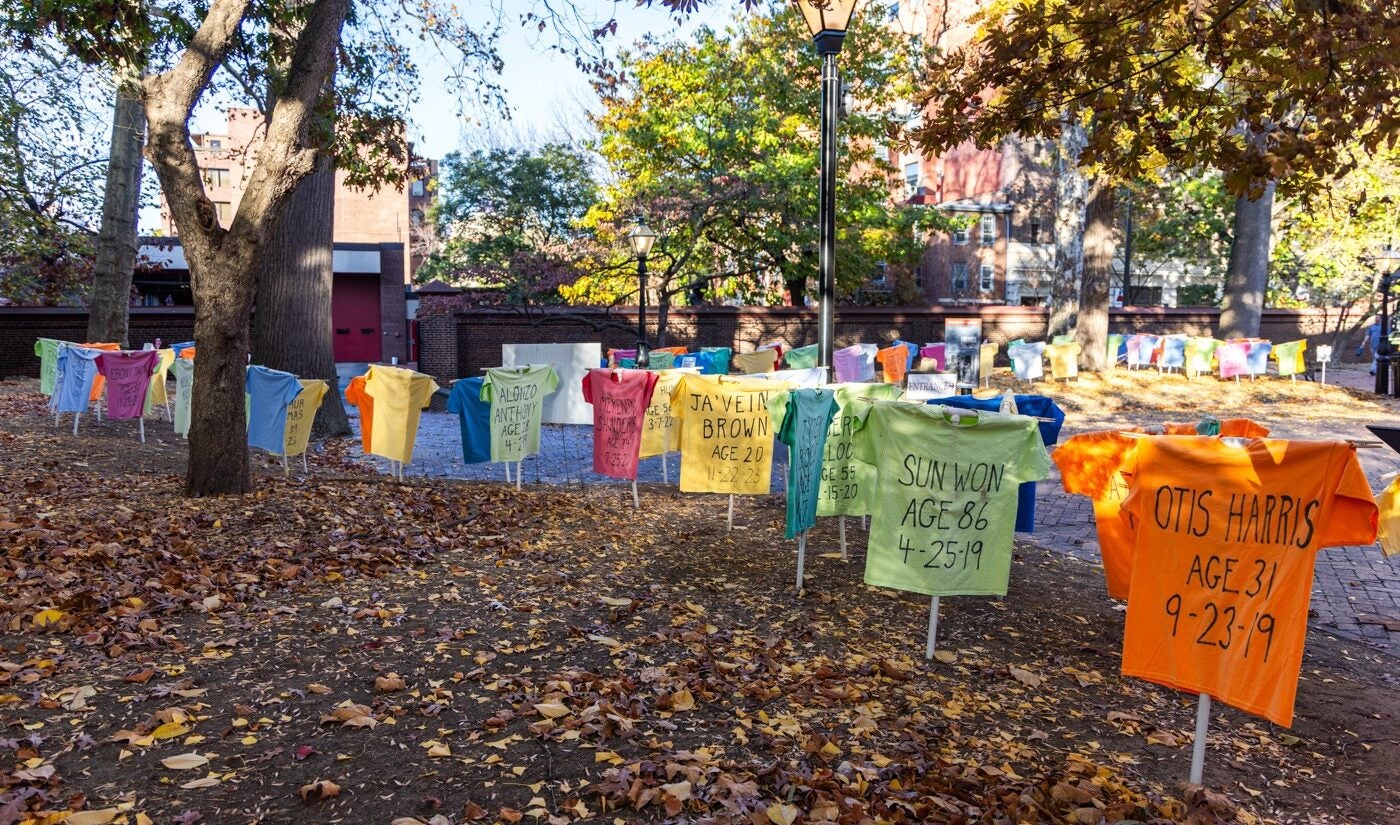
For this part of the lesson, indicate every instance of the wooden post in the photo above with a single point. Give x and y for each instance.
(801, 558)
(519, 473)
(932, 641)
(844, 557)
(1198, 748)
(76, 416)
(665, 470)
(731, 511)
(141, 429)
(636, 500)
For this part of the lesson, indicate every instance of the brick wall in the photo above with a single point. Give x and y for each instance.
(462, 344)
(393, 303)
(20, 327)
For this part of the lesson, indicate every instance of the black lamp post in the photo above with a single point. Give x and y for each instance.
(642, 238)
(827, 20)
(1386, 262)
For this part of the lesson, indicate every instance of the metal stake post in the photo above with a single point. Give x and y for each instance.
(1198, 748)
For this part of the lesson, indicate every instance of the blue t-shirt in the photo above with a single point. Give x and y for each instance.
(703, 361)
(270, 392)
(475, 417)
(72, 383)
(913, 349)
(1036, 405)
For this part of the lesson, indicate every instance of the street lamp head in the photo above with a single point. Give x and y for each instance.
(641, 237)
(1386, 261)
(827, 20)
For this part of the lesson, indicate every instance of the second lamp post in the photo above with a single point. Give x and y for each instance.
(642, 239)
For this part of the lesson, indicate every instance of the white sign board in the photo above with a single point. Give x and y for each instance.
(1324, 354)
(921, 386)
(572, 361)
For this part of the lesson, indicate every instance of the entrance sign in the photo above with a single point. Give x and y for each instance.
(921, 386)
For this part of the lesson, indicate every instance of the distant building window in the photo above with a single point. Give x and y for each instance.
(959, 276)
(1033, 230)
(911, 179)
(989, 230)
(216, 144)
(960, 236)
(986, 276)
(882, 275)
(216, 177)
(224, 211)
(416, 190)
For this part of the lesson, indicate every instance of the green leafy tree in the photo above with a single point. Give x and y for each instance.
(1182, 219)
(714, 142)
(1267, 91)
(512, 218)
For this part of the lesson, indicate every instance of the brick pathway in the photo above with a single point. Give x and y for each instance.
(1356, 591)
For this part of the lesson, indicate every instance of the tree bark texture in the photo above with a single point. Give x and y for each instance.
(292, 328)
(224, 263)
(1071, 195)
(1098, 274)
(1247, 276)
(115, 251)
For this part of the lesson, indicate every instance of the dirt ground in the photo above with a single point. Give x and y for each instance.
(339, 648)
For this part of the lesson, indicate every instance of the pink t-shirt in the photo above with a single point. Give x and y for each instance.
(846, 364)
(619, 399)
(128, 377)
(1233, 358)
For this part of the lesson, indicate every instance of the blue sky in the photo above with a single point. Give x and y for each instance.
(546, 94)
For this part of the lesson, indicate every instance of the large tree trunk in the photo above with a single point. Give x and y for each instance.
(292, 327)
(1247, 277)
(663, 312)
(224, 263)
(1071, 194)
(115, 257)
(1098, 274)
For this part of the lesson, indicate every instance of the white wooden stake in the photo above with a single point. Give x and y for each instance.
(76, 416)
(665, 470)
(731, 511)
(508, 478)
(1324, 373)
(141, 428)
(1198, 748)
(932, 628)
(519, 473)
(801, 558)
(843, 539)
(304, 468)
(864, 525)
(285, 472)
(636, 500)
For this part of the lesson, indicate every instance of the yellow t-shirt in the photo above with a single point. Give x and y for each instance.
(1064, 360)
(1389, 529)
(158, 393)
(726, 433)
(660, 431)
(399, 398)
(301, 413)
(764, 360)
(987, 358)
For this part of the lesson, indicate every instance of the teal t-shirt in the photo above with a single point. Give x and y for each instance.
(806, 420)
(802, 358)
(846, 481)
(943, 509)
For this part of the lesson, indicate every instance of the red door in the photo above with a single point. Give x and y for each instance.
(355, 317)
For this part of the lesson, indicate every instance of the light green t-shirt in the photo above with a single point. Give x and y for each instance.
(517, 405)
(803, 357)
(943, 512)
(847, 481)
(183, 370)
(47, 350)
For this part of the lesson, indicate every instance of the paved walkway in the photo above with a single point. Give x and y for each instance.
(1356, 590)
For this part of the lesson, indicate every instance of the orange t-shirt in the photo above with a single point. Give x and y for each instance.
(99, 382)
(355, 394)
(1091, 465)
(1224, 540)
(1229, 427)
(894, 361)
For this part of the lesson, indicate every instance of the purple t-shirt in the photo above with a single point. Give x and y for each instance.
(128, 377)
(846, 363)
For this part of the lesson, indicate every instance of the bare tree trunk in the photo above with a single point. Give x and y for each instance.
(115, 258)
(224, 263)
(1071, 194)
(1247, 277)
(292, 327)
(1098, 274)
(663, 312)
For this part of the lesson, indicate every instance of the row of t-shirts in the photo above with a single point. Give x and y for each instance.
(943, 505)
(1221, 537)
(726, 433)
(390, 401)
(281, 409)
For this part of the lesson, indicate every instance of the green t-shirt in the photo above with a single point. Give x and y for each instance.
(1199, 352)
(847, 481)
(944, 503)
(802, 358)
(47, 350)
(803, 424)
(517, 404)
